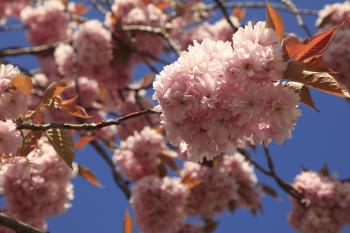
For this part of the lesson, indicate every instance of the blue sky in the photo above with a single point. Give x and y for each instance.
(319, 138)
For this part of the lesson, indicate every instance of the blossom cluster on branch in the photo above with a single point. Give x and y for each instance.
(225, 88)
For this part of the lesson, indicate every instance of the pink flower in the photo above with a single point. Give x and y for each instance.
(158, 204)
(47, 23)
(13, 102)
(213, 193)
(36, 187)
(187, 92)
(240, 170)
(138, 155)
(130, 105)
(214, 98)
(134, 12)
(10, 137)
(220, 30)
(324, 204)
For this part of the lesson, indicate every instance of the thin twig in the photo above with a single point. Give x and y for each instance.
(83, 126)
(154, 30)
(299, 19)
(263, 5)
(98, 7)
(118, 178)
(12, 27)
(227, 17)
(27, 50)
(18, 226)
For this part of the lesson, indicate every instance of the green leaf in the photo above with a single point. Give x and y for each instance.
(62, 142)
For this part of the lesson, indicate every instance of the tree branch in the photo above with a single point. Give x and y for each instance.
(118, 178)
(272, 173)
(263, 5)
(18, 226)
(27, 50)
(83, 126)
(227, 17)
(154, 30)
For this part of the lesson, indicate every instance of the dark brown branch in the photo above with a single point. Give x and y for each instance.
(12, 27)
(118, 178)
(284, 185)
(272, 173)
(98, 7)
(18, 226)
(154, 30)
(27, 50)
(263, 5)
(227, 17)
(291, 6)
(83, 126)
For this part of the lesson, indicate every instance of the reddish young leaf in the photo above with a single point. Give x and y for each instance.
(83, 141)
(70, 107)
(162, 5)
(190, 182)
(239, 13)
(80, 9)
(147, 81)
(317, 45)
(23, 83)
(325, 82)
(127, 223)
(29, 143)
(89, 176)
(268, 190)
(274, 20)
(292, 46)
(304, 94)
(52, 91)
(294, 71)
(168, 161)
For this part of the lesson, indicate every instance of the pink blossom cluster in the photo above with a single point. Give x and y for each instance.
(136, 12)
(158, 204)
(337, 56)
(10, 8)
(13, 102)
(47, 23)
(334, 14)
(37, 186)
(214, 98)
(10, 137)
(229, 184)
(338, 53)
(325, 207)
(238, 168)
(220, 30)
(138, 155)
(134, 103)
(91, 53)
(191, 228)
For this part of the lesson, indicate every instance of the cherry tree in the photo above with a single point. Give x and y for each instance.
(180, 140)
